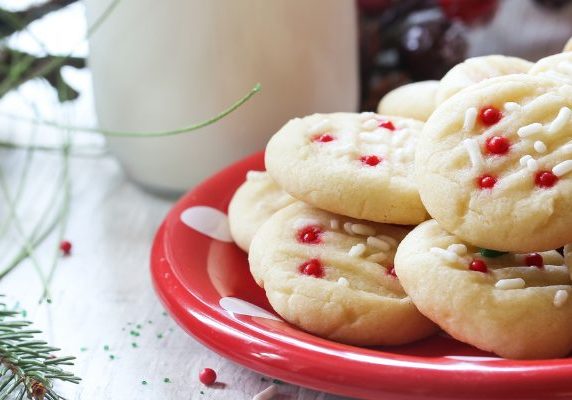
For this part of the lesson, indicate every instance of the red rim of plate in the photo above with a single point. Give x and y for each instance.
(281, 351)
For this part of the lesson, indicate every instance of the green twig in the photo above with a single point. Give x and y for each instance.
(141, 134)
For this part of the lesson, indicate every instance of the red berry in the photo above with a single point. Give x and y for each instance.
(386, 124)
(534, 260)
(497, 145)
(310, 234)
(545, 179)
(324, 138)
(490, 115)
(486, 181)
(479, 266)
(313, 268)
(471, 12)
(65, 247)
(207, 376)
(391, 271)
(371, 160)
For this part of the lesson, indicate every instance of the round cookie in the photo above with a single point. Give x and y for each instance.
(557, 67)
(568, 45)
(494, 164)
(415, 100)
(515, 305)
(358, 165)
(477, 69)
(333, 276)
(252, 204)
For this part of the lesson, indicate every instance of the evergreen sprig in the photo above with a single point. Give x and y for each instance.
(28, 367)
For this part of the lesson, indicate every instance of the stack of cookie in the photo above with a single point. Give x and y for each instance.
(330, 228)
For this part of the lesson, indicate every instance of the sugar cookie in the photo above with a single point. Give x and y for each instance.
(415, 100)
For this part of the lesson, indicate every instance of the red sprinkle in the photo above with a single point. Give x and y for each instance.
(371, 160)
(386, 124)
(486, 181)
(310, 234)
(207, 376)
(324, 138)
(65, 247)
(479, 266)
(497, 145)
(391, 271)
(313, 268)
(490, 115)
(545, 179)
(534, 260)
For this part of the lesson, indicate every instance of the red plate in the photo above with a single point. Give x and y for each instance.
(192, 273)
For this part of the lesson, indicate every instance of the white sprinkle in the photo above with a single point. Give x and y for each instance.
(529, 130)
(539, 146)
(320, 126)
(514, 283)
(348, 228)
(399, 155)
(357, 250)
(370, 124)
(378, 243)
(474, 153)
(398, 138)
(377, 257)
(343, 282)
(362, 229)
(567, 147)
(532, 164)
(370, 137)
(560, 298)
(512, 106)
(334, 224)
(458, 249)
(565, 66)
(557, 76)
(388, 239)
(267, 393)
(560, 121)
(304, 222)
(343, 150)
(367, 115)
(447, 255)
(524, 159)
(256, 176)
(562, 168)
(470, 119)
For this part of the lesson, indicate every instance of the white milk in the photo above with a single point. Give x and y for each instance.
(160, 65)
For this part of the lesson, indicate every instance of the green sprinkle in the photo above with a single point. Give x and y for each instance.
(170, 329)
(83, 349)
(159, 336)
(24, 313)
(277, 382)
(202, 392)
(143, 382)
(49, 301)
(134, 345)
(138, 326)
(111, 357)
(167, 380)
(149, 322)
(130, 323)
(165, 313)
(106, 348)
(263, 379)
(491, 253)
(134, 333)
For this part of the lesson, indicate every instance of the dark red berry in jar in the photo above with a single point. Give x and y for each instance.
(310, 234)
(545, 179)
(534, 260)
(490, 115)
(386, 124)
(371, 160)
(207, 376)
(553, 4)
(471, 12)
(324, 138)
(65, 247)
(479, 266)
(498, 145)
(373, 6)
(313, 268)
(486, 181)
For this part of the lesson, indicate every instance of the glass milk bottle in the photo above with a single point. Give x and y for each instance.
(160, 65)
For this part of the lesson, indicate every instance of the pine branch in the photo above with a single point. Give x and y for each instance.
(17, 67)
(28, 367)
(14, 21)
